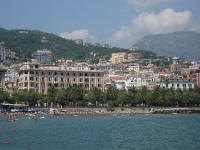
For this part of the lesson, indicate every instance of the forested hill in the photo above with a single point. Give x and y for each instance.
(181, 44)
(26, 42)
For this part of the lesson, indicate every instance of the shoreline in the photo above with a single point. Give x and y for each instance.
(56, 112)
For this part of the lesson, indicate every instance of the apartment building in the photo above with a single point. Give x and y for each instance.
(134, 56)
(2, 53)
(195, 75)
(40, 77)
(43, 56)
(119, 57)
(2, 77)
(182, 85)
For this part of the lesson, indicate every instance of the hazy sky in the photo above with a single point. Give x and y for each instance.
(117, 22)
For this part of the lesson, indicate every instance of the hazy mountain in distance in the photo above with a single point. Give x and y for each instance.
(180, 44)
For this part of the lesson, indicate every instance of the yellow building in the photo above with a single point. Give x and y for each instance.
(119, 57)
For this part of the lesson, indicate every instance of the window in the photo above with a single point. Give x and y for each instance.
(26, 72)
(74, 79)
(67, 73)
(49, 73)
(25, 84)
(86, 74)
(80, 80)
(61, 79)
(62, 85)
(99, 85)
(80, 74)
(86, 80)
(184, 85)
(32, 84)
(31, 72)
(74, 74)
(25, 78)
(42, 73)
(92, 74)
(42, 78)
(49, 79)
(36, 78)
(55, 73)
(36, 72)
(61, 73)
(43, 85)
(31, 78)
(55, 79)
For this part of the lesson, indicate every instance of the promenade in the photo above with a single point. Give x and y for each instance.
(41, 112)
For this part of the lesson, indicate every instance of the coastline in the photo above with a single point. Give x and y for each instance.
(41, 112)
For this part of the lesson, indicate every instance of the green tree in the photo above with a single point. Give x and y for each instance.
(111, 95)
(94, 96)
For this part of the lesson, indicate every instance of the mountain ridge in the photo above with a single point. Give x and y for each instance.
(180, 44)
(25, 42)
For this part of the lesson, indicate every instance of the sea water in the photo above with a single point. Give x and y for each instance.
(119, 132)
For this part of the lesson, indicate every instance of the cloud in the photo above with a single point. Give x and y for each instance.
(166, 21)
(148, 4)
(78, 34)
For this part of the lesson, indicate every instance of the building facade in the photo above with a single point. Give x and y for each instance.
(182, 85)
(2, 53)
(198, 78)
(40, 78)
(2, 77)
(119, 57)
(134, 56)
(195, 75)
(43, 56)
(79, 42)
(133, 48)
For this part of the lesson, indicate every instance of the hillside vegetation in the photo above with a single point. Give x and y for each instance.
(26, 42)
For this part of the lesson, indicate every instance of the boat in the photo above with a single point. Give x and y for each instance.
(12, 120)
(173, 113)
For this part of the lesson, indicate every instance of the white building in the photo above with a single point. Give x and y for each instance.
(183, 85)
(135, 67)
(43, 56)
(136, 82)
